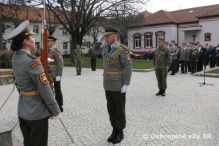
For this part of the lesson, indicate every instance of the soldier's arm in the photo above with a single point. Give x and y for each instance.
(40, 80)
(126, 65)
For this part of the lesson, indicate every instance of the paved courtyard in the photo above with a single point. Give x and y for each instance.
(187, 116)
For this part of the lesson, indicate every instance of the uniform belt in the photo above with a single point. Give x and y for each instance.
(29, 93)
(116, 72)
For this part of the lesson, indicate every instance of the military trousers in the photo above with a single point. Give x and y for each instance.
(184, 66)
(78, 67)
(35, 132)
(161, 74)
(93, 64)
(116, 108)
(58, 94)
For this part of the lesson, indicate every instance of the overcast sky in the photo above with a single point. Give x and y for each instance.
(170, 5)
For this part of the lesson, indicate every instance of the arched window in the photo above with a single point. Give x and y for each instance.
(148, 40)
(208, 36)
(137, 40)
(159, 35)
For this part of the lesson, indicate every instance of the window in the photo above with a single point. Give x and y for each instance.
(65, 31)
(37, 44)
(65, 45)
(36, 29)
(207, 36)
(159, 35)
(137, 40)
(148, 41)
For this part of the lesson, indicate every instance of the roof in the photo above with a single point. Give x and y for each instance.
(179, 17)
(22, 12)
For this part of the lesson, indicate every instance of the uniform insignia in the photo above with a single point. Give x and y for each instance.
(37, 62)
(43, 78)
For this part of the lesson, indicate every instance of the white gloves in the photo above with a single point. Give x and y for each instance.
(50, 60)
(55, 117)
(100, 39)
(58, 78)
(124, 89)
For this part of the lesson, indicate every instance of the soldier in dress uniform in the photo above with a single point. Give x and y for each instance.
(174, 50)
(56, 64)
(78, 56)
(117, 68)
(162, 62)
(36, 100)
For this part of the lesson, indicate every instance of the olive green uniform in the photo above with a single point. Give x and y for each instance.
(162, 59)
(117, 68)
(56, 69)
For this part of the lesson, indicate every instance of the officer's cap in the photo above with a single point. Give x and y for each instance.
(50, 37)
(22, 29)
(110, 30)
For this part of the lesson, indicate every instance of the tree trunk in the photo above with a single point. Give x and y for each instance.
(1, 33)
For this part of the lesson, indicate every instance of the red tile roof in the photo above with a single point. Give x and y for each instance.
(179, 16)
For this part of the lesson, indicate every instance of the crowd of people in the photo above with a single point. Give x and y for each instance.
(192, 57)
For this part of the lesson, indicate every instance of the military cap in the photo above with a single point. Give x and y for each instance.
(22, 29)
(110, 30)
(50, 37)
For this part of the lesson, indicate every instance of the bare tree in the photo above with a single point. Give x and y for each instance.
(79, 16)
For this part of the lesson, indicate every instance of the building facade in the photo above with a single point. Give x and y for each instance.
(188, 25)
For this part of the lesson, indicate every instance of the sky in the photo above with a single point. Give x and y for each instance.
(171, 5)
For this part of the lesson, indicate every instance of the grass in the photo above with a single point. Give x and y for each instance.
(136, 63)
(215, 71)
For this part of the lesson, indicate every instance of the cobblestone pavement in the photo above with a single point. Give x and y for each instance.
(187, 116)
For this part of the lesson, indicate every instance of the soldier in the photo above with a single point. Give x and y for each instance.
(162, 62)
(93, 57)
(184, 55)
(36, 100)
(174, 50)
(56, 64)
(117, 68)
(78, 56)
(194, 58)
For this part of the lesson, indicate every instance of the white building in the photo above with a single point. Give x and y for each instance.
(198, 24)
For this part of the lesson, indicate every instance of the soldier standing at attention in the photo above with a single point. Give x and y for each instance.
(93, 57)
(162, 62)
(78, 56)
(117, 68)
(56, 64)
(36, 100)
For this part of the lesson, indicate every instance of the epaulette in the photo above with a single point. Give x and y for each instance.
(32, 56)
(125, 48)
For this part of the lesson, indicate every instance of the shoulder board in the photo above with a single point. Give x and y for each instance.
(123, 46)
(32, 56)
(36, 63)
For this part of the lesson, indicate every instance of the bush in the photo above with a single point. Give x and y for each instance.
(5, 59)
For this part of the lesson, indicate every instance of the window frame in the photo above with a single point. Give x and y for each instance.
(208, 34)
(135, 41)
(146, 40)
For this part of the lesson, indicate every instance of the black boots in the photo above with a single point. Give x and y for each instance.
(110, 139)
(117, 136)
(161, 92)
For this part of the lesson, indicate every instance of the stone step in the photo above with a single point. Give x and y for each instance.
(5, 72)
(6, 79)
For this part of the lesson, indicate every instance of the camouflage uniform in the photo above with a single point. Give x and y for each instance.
(78, 56)
(162, 59)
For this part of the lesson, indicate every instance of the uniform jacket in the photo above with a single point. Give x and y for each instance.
(29, 76)
(117, 67)
(174, 52)
(184, 54)
(78, 55)
(162, 57)
(56, 67)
